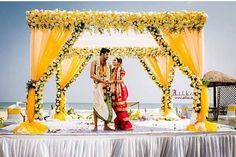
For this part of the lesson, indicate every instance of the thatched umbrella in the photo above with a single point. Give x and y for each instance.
(216, 78)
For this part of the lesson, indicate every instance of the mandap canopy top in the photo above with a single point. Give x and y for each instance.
(55, 46)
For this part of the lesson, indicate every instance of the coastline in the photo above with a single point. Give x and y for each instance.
(85, 113)
(85, 110)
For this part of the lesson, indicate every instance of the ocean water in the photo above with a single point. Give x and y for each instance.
(88, 106)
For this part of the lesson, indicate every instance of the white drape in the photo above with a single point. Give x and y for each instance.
(152, 145)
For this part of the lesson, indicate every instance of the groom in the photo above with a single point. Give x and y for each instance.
(100, 73)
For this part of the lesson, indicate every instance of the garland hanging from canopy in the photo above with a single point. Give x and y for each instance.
(118, 51)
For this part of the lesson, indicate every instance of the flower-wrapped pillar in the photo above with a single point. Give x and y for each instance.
(188, 46)
(52, 68)
(161, 70)
(44, 49)
(185, 46)
(48, 45)
(67, 73)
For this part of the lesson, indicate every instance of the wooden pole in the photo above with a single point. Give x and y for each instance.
(214, 95)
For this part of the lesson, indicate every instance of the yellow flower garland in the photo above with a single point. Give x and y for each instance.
(121, 21)
(118, 51)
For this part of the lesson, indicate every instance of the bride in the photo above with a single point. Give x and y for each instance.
(119, 96)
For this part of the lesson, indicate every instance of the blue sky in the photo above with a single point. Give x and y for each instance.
(15, 39)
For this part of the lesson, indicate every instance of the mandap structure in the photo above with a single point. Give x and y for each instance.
(177, 41)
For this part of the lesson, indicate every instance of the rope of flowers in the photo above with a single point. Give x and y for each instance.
(118, 51)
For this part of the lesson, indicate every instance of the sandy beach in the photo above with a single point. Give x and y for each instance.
(87, 114)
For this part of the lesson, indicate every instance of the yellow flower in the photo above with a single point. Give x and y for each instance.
(122, 20)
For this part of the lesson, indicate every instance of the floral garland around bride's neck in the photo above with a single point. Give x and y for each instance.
(118, 77)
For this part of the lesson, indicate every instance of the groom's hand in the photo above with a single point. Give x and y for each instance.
(103, 82)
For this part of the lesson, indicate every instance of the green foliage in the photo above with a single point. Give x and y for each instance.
(71, 111)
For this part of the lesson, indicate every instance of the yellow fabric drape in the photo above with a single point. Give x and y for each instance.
(201, 117)
(69, 67)
(161, 67)
(45, 46)
(188, 45)
(30, 108)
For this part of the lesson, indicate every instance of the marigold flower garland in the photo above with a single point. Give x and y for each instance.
(99, 21)
(118, 51)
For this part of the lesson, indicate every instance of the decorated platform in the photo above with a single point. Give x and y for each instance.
(170, 41)
(149, 138)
